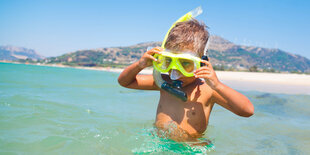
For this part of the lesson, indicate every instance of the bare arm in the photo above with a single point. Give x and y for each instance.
(129, 78)
(224, 95)
(233, 100)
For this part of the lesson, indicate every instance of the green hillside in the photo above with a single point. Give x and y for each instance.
(223, 54)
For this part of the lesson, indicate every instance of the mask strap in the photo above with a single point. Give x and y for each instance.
(205, 51)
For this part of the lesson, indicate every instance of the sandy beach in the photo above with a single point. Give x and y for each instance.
(267, 82)
(286, 83)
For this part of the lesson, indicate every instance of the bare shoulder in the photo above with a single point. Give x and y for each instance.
(202, 92)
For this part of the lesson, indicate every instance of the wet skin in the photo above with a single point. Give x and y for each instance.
(185, 121)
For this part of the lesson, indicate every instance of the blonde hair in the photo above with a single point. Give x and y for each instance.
(189, 35)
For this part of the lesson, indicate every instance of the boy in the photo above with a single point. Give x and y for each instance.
(175, 119)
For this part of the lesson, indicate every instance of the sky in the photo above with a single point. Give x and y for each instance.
(53, 28)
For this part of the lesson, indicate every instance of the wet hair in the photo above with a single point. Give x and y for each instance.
(190, 35)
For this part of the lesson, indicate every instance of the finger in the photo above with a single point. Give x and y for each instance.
(158, 52)
(208, 64)
(158, 48)
(203, 73)
(152, 52)
(201, 69)
(151, 57)
(203, 76)
(205, 62)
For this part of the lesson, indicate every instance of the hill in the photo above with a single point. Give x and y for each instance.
(12, 53)
(224, 55)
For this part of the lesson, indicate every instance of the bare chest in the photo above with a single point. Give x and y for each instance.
(192, 115)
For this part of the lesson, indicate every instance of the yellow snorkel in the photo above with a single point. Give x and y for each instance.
(175, 87)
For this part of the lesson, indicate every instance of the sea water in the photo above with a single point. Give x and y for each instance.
(51, 110)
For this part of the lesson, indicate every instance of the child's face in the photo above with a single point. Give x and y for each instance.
(187, 80)
(184, 79)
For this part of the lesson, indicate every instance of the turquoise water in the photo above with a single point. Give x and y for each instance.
(73, 111)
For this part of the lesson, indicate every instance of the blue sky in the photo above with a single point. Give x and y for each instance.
(56, 27)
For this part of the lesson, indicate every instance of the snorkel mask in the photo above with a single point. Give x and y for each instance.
(185, 63)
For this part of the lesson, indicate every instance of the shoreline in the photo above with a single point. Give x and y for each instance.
(284, 83)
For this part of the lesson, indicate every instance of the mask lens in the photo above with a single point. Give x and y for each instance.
(163, 62)
(188, 65)
(167, 61)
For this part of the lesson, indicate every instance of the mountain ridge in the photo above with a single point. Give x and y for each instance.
(223, 54)
(15, 53)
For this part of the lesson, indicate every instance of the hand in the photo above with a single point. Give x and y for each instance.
(207, 72)
(147, 58)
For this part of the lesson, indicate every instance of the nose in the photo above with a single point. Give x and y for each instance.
(175, 71)
(175, 74)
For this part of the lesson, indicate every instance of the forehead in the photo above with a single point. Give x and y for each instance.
(184, 52)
